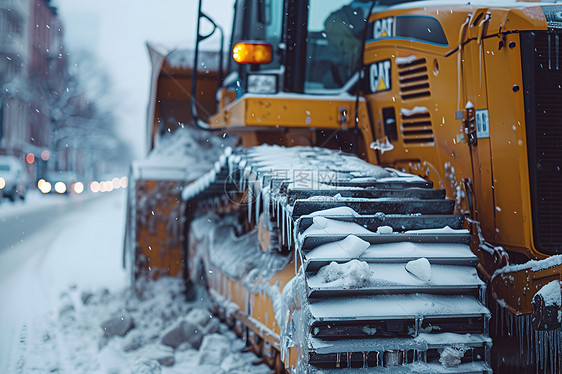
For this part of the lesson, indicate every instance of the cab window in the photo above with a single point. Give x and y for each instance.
(334, 37)
(422, 28)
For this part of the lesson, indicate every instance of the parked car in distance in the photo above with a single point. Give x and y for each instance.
(13, 178)
(61, 182)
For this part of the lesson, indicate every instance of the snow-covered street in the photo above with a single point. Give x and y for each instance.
(76, 243)
(63, 280)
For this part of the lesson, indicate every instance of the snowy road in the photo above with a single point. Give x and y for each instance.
(47, 246)
(62, 280)
(21, 220)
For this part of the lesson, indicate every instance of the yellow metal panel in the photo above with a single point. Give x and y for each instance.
(429, 159)
(474, 86)
(452, 16)
(297, 112)
(508, 139)
(238, 295)
(158, 229)
(517, 288)
(287, 111)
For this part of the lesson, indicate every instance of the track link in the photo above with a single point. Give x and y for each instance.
(387, 278)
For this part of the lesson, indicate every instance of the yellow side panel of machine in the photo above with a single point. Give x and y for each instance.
(527, 282)
(159, 228)
(286, 111)
(508, 137)
(442, 154)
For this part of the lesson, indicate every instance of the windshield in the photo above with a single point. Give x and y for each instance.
(335, 31)
(270, 13)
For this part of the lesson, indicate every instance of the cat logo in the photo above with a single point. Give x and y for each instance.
(383, 28)
(380, 76)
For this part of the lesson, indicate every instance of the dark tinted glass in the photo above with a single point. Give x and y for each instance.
(422, 28)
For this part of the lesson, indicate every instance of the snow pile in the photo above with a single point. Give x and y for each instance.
(352, 274)
(189, 148)
(412, 112)
(384, 230)
(420, 268)
(241, 257)
(184, 58)
(451, 356)
(399, 176)
(159, 332)
(551, 294)
(369, 330)
(339, 211)
(354, 246)
(405, 60)
(322, 225)
(348, 248)
(534, 265)
(444, 230)
(383, 146)
(303, 160)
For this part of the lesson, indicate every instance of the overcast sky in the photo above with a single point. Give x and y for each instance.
(116, 32)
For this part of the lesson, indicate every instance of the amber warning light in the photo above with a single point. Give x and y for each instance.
(252, 53)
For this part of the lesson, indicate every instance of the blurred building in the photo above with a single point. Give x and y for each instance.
(14, 51)
(32, 65)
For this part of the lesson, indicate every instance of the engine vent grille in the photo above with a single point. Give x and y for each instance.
(543, 102)
(416, 126)
(414, 79)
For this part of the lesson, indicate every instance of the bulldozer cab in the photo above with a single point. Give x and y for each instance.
(284, 51)
(285, 47)
(315, 46)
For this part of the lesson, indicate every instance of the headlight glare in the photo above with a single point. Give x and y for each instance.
(60, 187)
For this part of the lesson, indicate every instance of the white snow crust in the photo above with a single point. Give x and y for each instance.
(382, 145)
(238, 256)
(444, 230)
(388, 250)
(451, 356)
(339, 211)
(405, 60)
(416, 110)
(390, 275)
(191, 150)
(421, 268)
(323, 225)
(350, 247)
(534, 265)
(396, 305)
(417, 250)
(448, 338)
(353, 274)
(384, 230)
(208, 60)
(551, 294)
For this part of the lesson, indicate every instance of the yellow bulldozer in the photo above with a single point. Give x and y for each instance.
(391, 196)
